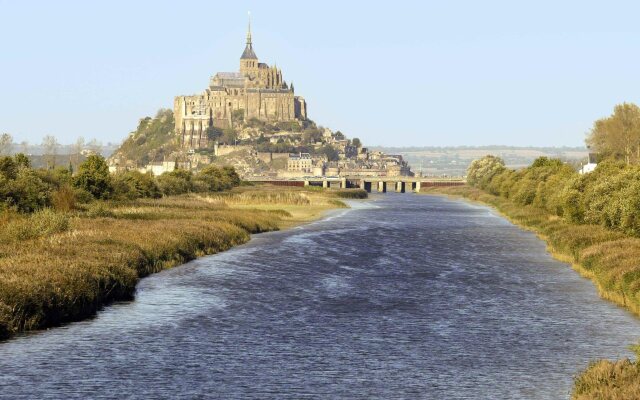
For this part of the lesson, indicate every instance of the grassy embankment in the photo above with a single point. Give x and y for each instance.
(608, 258)
(61, 267)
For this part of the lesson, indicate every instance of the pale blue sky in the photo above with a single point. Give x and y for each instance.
(392, 73)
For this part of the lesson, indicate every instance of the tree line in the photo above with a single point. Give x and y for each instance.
(26, 189)
(50, 148)
(609, 196)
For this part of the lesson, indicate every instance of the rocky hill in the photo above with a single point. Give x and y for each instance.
(152, 141)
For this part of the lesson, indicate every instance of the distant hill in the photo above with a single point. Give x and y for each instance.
(454, 161)
(153, 140)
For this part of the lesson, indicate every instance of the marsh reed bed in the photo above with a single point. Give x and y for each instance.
(57, 267)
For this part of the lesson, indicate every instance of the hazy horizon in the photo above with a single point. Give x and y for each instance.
(395, 75)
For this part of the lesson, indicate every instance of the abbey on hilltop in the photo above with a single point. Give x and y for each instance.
(257, 91)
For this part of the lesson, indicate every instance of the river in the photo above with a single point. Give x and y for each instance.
(402, 296)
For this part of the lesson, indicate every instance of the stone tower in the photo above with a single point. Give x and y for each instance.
(249, 60)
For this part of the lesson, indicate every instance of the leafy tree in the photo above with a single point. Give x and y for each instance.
(61, 176)
(618, 136)
(134, 184)
(481, 171)
(290, 126)
(282, 147)
(26, 193)
(6, 141)
(356, 142)
(213, 179)
(237, 115)
(93, 176)
(175, 182)
(262, 140)
(232, 175)
(8, 168)
(254, 122)
(339, 135)
(214, 133)
(310, 136)
(78, 146)
(330, 152)
(95, 146)
(22, 161)
(546, 162)
(50, 145)
(229, 136)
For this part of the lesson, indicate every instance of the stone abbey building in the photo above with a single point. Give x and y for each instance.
(258, 90)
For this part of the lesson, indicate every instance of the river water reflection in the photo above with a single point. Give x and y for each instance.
(403, 296)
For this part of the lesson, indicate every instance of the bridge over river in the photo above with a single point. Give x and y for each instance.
(381, 184)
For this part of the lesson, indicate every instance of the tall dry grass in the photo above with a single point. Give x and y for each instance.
(57, 267)
(262, 197)
(64, 269)
(64, 198)
(351, 193)
(610, 380)
(24, 227)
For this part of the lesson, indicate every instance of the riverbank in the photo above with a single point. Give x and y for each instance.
(57, 268)
(606, 257)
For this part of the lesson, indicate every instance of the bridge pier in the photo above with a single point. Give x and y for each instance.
(413, 186)
(369, 183)
(366, 186)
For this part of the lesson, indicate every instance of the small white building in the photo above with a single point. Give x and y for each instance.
(158, 168)
(300, 162)
(591, 164)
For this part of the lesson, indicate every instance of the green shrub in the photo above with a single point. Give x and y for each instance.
(41, 223)
(134, 185)
(175, 182)
(47, 222)
(22, 161)
(82, 196)
(8, 168)
(26, 193)
(215, 179)
(93, 176)
(481, 171)
(352, 193)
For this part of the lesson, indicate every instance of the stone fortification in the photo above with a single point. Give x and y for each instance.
(256, 91)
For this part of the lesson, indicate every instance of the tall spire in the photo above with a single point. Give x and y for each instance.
(248, 53)
(249, 29)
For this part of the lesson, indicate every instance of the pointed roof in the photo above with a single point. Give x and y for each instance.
(248, 53)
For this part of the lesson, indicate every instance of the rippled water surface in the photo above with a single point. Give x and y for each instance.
(404, 296)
